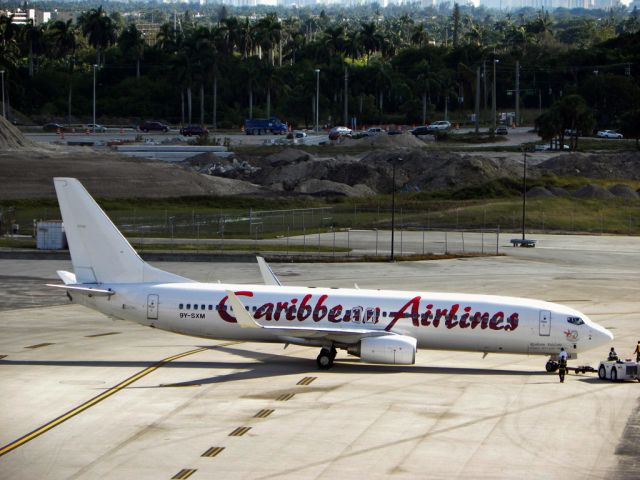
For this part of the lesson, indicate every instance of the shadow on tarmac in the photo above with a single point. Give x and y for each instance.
(270, 365)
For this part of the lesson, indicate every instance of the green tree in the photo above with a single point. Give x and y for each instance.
(131, 42)
(99, 30)
(630, 125)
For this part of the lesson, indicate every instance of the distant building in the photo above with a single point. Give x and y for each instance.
(22, 16)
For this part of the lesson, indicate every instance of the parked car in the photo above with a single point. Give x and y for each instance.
(337, 132)
(502, 130)
(299, 134)
(375, 130)
(98, 128)
(153, 126)
(190, 130)
(571, 132)
(609, 134)
(422, 130)
(53, 127)
(440, 125)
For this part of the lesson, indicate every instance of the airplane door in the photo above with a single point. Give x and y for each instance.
(545, 323)
(152, 307)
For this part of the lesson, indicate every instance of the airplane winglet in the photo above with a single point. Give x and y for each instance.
(244, 318)
(268, 277)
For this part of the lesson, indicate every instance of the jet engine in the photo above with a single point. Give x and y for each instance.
(391, 349)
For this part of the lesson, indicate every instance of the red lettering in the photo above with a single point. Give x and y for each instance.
(414, 304)
(334, 314)
(320, 311)
(485, 320)
(496, 320)
(477, 318)
(426, 316)
(223, 312)
(465, 316)
(439, 314)
(304, 310)
(280, 307)
(265, 311)
(513, 322)
(451, 321)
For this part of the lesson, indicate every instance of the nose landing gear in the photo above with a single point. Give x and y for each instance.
(551, 366)
(326, 357)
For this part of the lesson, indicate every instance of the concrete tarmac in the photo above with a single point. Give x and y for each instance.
(226, 410)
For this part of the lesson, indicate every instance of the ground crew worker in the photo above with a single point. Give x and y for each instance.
(613, 356)
(562, 365)
(637, 351)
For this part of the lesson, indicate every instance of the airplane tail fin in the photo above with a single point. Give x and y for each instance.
(99, 252)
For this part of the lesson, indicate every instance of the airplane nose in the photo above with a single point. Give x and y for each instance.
(601, 335)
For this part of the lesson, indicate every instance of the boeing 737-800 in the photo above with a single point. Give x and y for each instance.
(379, 326)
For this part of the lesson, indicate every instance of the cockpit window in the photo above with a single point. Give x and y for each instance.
(575, 320)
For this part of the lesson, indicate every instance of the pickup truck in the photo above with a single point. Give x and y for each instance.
(259, 126)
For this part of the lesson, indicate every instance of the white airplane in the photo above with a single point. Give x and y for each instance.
(379, 326)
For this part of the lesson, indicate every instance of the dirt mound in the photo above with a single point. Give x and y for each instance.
(422, 170)
(287, 157)
(593, 191)
(405, 140)
(11, 138)
(329, 188)
(29, 174)
(624, 191)
(559, 192)
(539, 192)
(607, 165)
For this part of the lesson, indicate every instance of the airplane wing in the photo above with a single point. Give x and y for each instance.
(268, 276)
(340, 334)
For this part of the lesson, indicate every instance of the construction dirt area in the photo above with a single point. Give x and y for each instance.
(27, 168)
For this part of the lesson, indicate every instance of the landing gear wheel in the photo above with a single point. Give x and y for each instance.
(325, 359)
(602, 373)
(614, 375)
(551, 366)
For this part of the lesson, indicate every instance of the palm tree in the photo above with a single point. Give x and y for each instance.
(420, 36)
(32, 39)
(132, 42)
(267, 35)
(370, 38)
(64, 44)
(99, 30)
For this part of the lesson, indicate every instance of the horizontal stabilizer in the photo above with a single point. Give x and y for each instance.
(84, 290)
(67, 277)
(268, 277)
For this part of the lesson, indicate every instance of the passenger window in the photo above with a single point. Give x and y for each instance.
(180, 306)
(188, 306)
(195, 306)
(210, 307)
(203, 307)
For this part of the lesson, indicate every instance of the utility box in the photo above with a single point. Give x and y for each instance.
(51, 236)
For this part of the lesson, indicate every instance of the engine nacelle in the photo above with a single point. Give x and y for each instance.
(391, 349)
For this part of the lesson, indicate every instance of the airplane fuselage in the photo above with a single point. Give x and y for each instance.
(444, 321)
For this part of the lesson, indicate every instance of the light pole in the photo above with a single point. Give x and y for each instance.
(94, 97)
(393, 204)
(317, 70)
(524, 192)
(4, 114)
(493, 96)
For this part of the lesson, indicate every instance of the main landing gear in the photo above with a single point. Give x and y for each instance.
(326, 357)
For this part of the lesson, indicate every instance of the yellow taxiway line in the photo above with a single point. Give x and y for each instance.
(98, 398)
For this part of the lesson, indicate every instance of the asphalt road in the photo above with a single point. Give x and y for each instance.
(258, 411)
